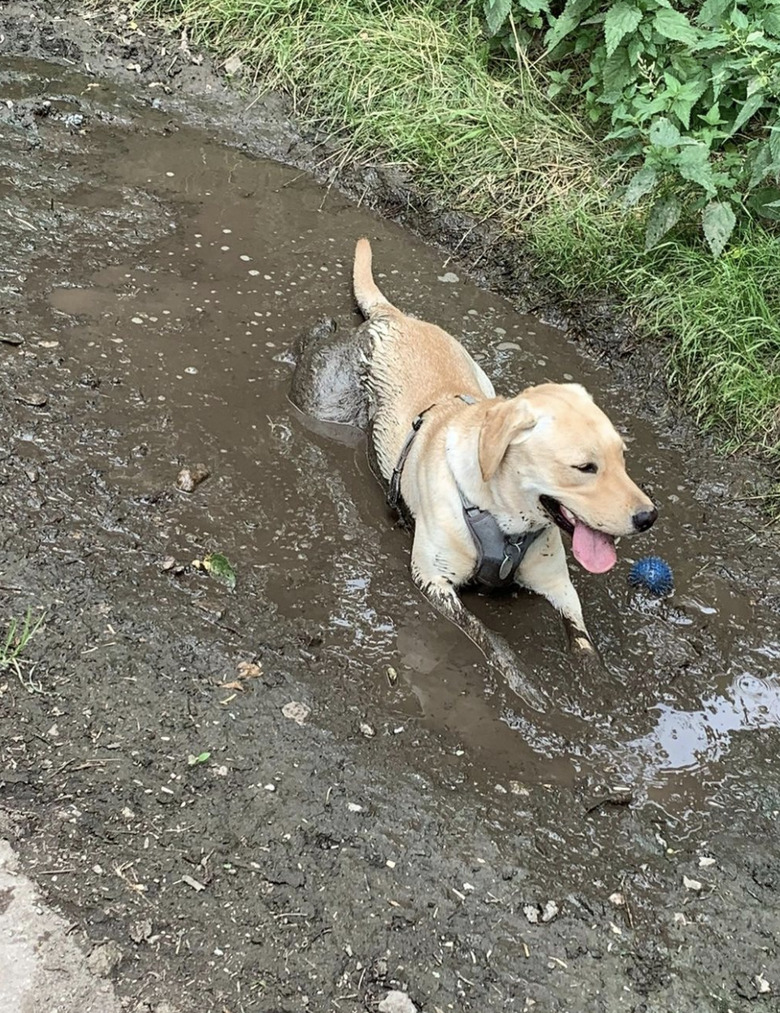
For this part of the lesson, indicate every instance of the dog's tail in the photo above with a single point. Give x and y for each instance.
(367, 293)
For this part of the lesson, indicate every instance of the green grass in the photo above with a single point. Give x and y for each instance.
(411, 84)
(16, 640)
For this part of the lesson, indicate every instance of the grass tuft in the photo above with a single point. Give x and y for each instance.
(17, 638)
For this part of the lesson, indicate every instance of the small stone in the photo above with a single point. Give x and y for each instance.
(705, 862)
(168, 563)
(367, 730)
(531, 911)
(550, 911)
(679, 918)
(449, 278)
(763, 985)
(617, 899)
(692, 884)
(233, 66)
(354, 807)
(296, 711)
(34, 398)
(105, 958)
(396, 1002)
(189, 479)
(11, 339)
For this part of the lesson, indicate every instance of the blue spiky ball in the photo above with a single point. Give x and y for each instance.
(653, 575)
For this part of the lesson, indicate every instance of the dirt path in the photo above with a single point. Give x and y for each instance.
(417, 830)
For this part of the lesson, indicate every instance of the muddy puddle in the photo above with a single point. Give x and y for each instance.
(178, 275)
(412, 830)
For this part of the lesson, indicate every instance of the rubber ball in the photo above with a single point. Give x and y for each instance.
(653, 575)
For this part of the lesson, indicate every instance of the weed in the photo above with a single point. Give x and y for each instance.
(690, 89)
(18, 636)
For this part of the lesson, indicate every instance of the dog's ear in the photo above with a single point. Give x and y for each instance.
(504, 423)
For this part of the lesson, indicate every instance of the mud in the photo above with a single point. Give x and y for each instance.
(409, 832)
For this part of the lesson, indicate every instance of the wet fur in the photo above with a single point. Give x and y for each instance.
(503, 453)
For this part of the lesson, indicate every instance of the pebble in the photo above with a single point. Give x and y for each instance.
(396, 1002)
(189, 479)
(296, 711)
(105, 958)
(449, 278)
(34, 398)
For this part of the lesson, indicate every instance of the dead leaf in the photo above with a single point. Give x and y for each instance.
(232, 685)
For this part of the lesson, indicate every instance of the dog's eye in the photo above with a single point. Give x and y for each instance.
(589, 469)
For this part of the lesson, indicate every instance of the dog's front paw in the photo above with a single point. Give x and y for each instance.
(585, 655)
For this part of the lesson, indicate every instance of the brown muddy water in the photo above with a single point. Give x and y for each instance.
(197, 325)
(158, 278)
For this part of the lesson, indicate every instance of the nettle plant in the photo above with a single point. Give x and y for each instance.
(691, 89)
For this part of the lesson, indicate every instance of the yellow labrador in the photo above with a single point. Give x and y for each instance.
(489, 482)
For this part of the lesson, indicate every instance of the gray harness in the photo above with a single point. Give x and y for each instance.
(498, 555)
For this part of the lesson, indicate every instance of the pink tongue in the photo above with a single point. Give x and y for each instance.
(592, 549)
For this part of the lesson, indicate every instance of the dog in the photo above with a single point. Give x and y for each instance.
(488, 483)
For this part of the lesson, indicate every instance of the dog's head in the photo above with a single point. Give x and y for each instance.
(553, 450)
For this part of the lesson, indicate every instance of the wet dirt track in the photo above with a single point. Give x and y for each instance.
(156, 279)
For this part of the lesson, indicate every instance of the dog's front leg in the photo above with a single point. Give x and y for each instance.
(545, 571)
(441, 593)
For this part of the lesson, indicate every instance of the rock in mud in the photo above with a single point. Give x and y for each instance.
(34, 398)
(189, 479)
(105, 958)
(397, 1002)
(296, 711)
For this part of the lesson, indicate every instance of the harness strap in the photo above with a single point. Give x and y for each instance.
(394, 490)
(498, 555)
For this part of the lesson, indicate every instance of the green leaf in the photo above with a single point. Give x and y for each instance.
(718, 221)
(664, 215)
(565, 23)
(220, 569)
(686, 98)
(711, 13)
(712, 117)
(496, 13)
(617, 73)
(674, 25)
(621, 19)
(766, 202)
(760, 165)
(774, 145)
(749, 107)
(641, 183)
(693, 163)
(664, 134)
(193, 760)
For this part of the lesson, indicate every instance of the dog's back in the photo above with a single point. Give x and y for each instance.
(412, 365)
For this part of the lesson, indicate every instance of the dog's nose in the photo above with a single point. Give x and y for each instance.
(645, 519)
